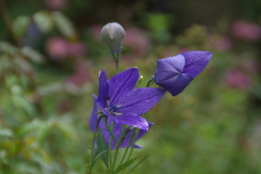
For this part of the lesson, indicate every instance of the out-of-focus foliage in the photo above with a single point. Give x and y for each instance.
(50, 56)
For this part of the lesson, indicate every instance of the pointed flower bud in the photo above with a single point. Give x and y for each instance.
(112, 34)
(175, 73)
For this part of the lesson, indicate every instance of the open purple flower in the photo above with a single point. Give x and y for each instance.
(175, 73)
(117, 130)
(122, 103)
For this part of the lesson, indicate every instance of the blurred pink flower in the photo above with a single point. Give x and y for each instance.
(81, 76)
(95, 31)
(57, 48)
(77, 49)
(238, 80)
(222, 43)
(251, 66)
(63, 106)
(182, 50)
(136, 40)
(55, 4)
(243, 30)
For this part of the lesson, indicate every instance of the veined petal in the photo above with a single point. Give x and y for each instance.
(121, 84)
(103, 88)
(169, 67)
(175, 63)
(140, 100)
(176, 84)
(196, 61)
(133, 120)
(93, 118)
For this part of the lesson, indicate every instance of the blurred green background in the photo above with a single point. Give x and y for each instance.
(50, 56)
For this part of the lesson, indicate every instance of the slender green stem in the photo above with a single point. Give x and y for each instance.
(126, 150)
(132, 147)
(117, 67)
(117, 57)
(7, 19)
(93, 139)
(117, 147)
(109, 163)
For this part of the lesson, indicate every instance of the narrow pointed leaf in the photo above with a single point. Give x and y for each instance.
(125, 165)
(96, 157)
(138, 164)
(87, 166)
(102, 146)
(109, 130)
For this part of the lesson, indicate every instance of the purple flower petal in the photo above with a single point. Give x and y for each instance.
(103, 88)
(175, 73)
(121, 84)
(93, 118)
(176, 84)
(140, 101)
(133, 120)
(196, 61)
(175, 62)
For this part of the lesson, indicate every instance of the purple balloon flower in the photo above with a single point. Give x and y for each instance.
(175, 73)
(122, 103)
(117, 130)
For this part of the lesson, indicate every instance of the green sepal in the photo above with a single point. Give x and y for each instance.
(101, 147)
(125, 133)
(109, 129)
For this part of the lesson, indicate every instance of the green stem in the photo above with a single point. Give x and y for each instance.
(126, 150)
(132, 147)
(117, 147)
(7, 19)
(117, 57)
(109, 163)
(117, 67)
(93, 139)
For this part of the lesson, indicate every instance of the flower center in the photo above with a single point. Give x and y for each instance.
(112, 109)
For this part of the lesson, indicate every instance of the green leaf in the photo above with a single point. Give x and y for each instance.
(102, 146)
(42, 132)
(32, 54)
(20, 25)
(87, 166)
(96, 157)
(125, 165)
(27, 128)
(8, 48)
(6, 133)
(43, 21)
(64, 25)
(138, 164)
(109, 129)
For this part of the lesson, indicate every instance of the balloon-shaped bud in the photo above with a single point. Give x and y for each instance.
(112, 34)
